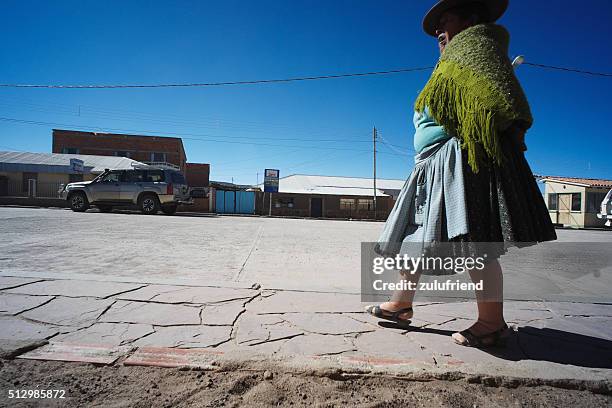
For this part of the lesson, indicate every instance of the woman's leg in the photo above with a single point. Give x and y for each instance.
(402, 299)
(490, 299)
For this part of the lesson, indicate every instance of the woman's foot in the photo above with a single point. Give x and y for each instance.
(400, 312)
(483, 335)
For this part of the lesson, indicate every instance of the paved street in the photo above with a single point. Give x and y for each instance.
(179, 291)
(198, 249)
(303, 254)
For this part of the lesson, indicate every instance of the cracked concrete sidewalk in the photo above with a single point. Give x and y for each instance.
(202, 326)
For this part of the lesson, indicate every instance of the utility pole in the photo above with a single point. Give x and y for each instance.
(374, 133)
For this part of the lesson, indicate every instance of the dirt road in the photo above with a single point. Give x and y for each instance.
(121, 386)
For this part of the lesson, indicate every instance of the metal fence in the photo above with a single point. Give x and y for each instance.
(33, 188)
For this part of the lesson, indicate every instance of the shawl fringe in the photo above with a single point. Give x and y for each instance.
(472, 106)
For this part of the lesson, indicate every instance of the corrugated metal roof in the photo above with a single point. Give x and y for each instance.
(60, 163)
(577, 180)
(337, 185)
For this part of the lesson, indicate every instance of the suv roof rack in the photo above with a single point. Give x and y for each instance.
(163, 165)
(137, 165)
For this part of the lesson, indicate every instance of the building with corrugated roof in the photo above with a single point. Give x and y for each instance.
(49, 170)
(305, 195)
(574, 201)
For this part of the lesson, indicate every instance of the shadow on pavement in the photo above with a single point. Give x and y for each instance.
(540, 344)
(136, 212)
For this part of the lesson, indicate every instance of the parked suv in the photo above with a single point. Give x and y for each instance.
(150, 189)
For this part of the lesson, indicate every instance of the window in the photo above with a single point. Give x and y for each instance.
(594, 202)
(347, 204)
(70, 150)
(136, 176)
(158, 157)
(112, 177)
(365, 204)
(154, 176)
(284, 202)
(576, 201)
(75, 178)
(122, 153)
(115, 177)
(553, 201)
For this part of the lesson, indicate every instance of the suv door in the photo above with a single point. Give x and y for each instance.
(139, 181)
(132, 185)
(107, 188)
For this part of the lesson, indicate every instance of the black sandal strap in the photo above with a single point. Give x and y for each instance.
(489, 339)
(377, 311)
(472, 339)
(396, 315)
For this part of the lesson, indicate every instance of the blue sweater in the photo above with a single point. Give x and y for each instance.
(427, 131)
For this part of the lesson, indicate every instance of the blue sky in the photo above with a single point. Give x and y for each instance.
(288, 126)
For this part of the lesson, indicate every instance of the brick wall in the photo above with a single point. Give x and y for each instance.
(139, 148)
(197, 174)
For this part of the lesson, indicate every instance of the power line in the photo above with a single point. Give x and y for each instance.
(148, 132)
(391, 146)
(208, 84)
(208, 123)
(278, 80)
(578, 71)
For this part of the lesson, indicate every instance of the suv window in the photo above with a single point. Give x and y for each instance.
(177, 178)
(136, 176)
(145, 176)
(154, 176)
(114, 177)
(150, 176)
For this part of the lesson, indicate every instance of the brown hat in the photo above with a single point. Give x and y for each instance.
(496, 9)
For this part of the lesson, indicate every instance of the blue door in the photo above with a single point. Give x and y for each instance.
(245, 202)
(219, 201)
(230, 202)
(235, 202)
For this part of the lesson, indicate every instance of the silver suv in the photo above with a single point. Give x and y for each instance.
(150, 189)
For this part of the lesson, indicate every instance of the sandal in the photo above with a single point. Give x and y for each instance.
(497, 338)
(381, 313)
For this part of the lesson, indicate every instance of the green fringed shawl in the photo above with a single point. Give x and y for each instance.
(474, 93)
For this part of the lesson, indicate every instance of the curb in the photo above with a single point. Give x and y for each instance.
(340, 368)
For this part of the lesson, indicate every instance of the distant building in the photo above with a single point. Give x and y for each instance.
(145, 149)
(316, 196)
(575, 202)
(49, 170)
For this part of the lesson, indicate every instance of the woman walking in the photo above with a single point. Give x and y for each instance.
(471, 186)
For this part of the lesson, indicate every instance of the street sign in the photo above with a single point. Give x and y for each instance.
(77, 165)
(271, 181)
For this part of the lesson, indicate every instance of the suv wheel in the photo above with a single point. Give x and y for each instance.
(78, 202)
(169, 209)
(148, 204)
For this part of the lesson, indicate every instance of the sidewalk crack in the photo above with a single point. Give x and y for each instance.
(105, 310)
(123, 292)
(255, 242)
(32, 308)
(232, 335)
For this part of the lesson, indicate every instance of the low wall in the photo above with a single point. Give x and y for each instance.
(38, 202)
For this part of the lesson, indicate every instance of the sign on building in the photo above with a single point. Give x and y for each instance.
(271, 181)
(77, 165)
